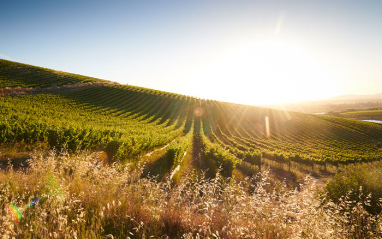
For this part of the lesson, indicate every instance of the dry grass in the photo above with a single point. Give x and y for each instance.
(82, 198)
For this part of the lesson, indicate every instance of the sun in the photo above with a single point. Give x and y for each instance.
(267, 72)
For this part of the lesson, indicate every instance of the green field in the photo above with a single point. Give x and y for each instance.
(162, 135)
(128, 122)
(363, 114)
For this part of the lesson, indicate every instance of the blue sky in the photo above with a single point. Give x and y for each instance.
(210, 49)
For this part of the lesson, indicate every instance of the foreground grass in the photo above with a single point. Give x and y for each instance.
(78, 197)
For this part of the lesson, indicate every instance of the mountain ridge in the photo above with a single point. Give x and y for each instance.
(354, 97)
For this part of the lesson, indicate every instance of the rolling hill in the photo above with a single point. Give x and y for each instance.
(129, 122)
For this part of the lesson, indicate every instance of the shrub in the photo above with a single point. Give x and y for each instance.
(358, 182)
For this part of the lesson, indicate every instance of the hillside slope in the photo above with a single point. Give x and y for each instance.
(14, 74)
(129, 122)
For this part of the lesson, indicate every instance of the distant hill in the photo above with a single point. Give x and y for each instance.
(354, 97)
(334, 104)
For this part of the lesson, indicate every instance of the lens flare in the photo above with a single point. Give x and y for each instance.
(32, 203)
(16, 212)
(199, 111)
(267, 130)
(55, 189)
(54, 186)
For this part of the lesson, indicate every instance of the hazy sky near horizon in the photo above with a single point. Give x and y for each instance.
(251, 52)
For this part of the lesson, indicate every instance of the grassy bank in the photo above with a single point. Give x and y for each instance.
(372, 114)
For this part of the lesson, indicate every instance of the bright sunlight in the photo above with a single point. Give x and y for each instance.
(267, 72)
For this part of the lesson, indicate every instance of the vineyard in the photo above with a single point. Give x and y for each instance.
(86, 158)
(129, 122)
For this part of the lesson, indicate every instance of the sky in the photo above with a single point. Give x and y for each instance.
(250, 52)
